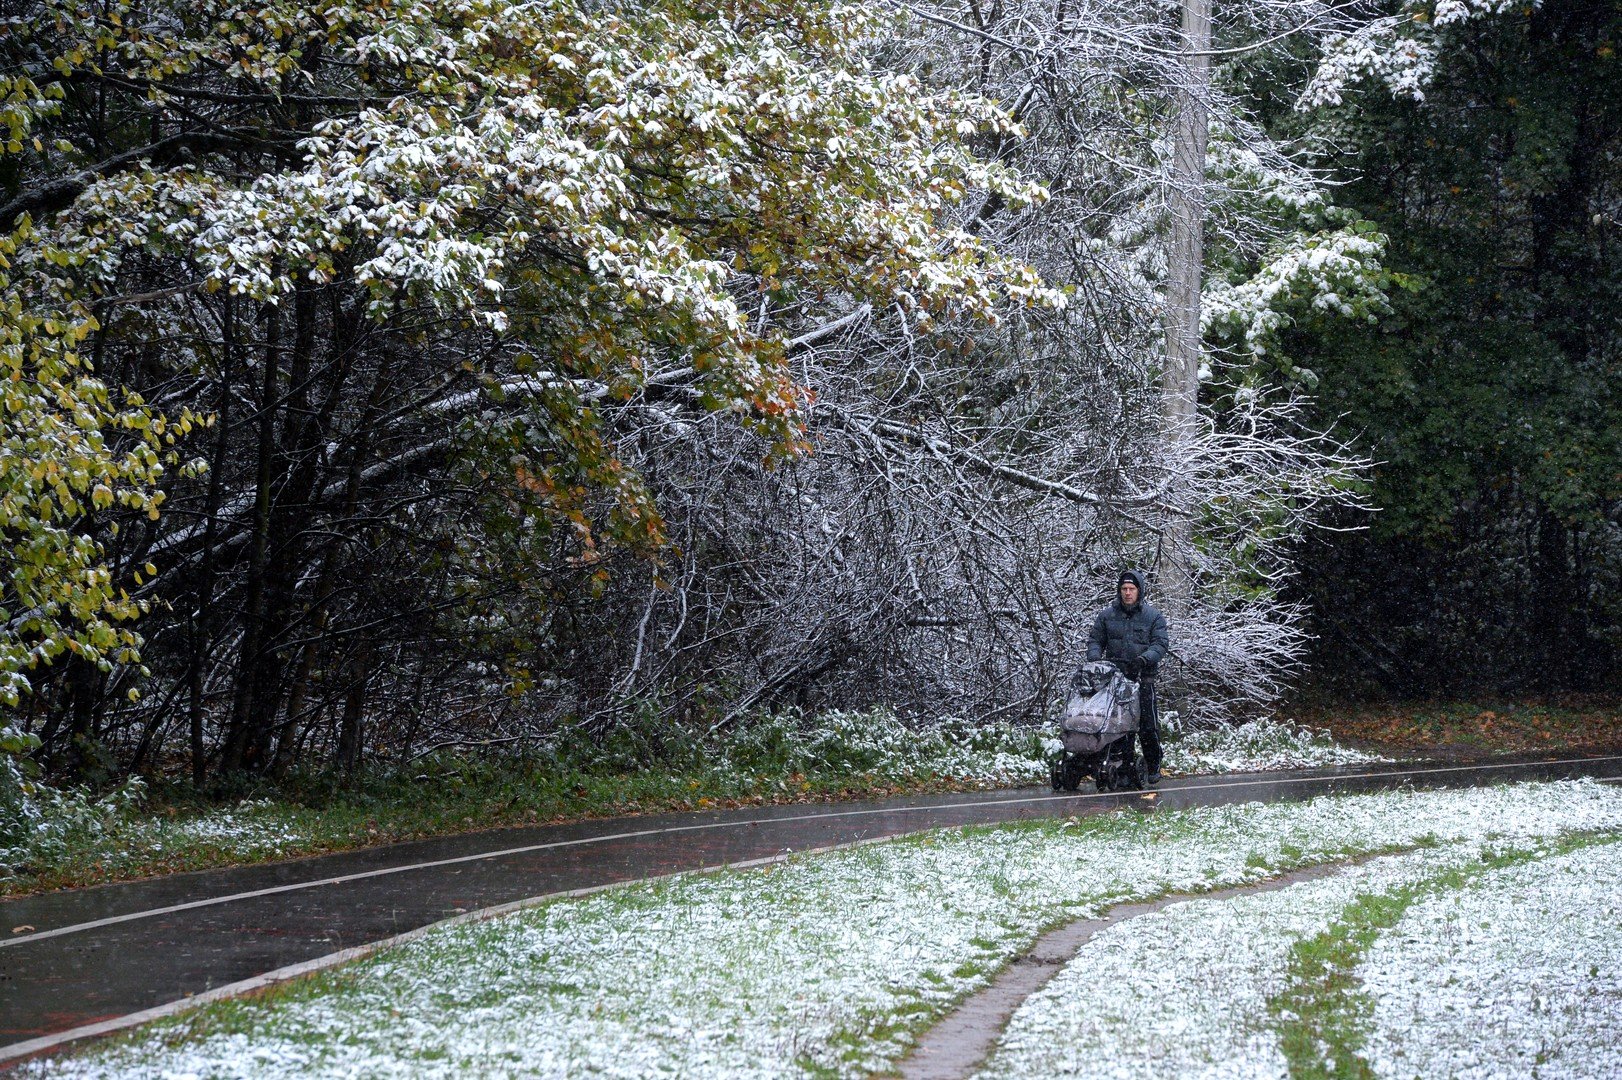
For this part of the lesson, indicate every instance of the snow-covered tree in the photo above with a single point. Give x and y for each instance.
(380, 240)
(566, 357)
(1097, 88)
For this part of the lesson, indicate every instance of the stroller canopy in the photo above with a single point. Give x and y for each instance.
(1103, 702)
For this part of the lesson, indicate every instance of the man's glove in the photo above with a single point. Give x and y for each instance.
(1132, 669)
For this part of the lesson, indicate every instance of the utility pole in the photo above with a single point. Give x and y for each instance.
(1180, 380)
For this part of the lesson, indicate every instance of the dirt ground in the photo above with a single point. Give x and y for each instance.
(1473, 731)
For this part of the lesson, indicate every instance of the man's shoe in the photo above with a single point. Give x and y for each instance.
(1153, 777)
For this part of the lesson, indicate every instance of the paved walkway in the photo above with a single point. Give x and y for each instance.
(100, 954)
(959, 1045)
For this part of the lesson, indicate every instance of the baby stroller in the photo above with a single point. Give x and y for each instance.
(1102, 708)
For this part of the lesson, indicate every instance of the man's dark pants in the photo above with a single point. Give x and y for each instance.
(1148, 726)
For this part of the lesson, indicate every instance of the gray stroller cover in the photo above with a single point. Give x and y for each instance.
(1103, 706)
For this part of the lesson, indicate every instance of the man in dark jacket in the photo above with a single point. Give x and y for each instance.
(1133, 635)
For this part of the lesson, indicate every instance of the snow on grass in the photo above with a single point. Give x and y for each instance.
(251, 826)
(1517, 974)
(1491, 973)
(1196, 989)
(64, 822)
(74, 836)
(1259, 745)
(1184, 991)
(874, 743)
(55, 837)
(827, 964)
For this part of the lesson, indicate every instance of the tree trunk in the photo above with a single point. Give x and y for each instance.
(240, 737)
(84, 683)
(201, 620)
(1180, 381)
(350, 733)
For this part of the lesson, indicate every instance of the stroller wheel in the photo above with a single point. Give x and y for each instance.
(1065, 772)
(1074, 769)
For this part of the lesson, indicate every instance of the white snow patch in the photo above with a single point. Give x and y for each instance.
(1259, 745)
(50, 826)
(1183, 991)
(1518, 974)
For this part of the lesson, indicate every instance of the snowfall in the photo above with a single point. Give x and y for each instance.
(833, 963)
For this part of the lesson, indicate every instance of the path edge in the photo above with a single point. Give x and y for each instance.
(16, 1053)
(1054, 950)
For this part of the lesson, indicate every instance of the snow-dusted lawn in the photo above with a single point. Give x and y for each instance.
(1510, 972)
(1184, 991)
(1517, 974)
(829, 962)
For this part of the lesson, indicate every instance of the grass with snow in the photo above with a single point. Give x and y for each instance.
(1517, 973)
(827, 965)
(1326, 1013)
(1453, 961)
(1259, 745)
(1185, 991)
(53, 838)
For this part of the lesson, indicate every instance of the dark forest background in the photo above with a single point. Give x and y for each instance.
(1492, 395)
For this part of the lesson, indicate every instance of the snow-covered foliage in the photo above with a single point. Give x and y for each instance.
(44, 822)
(876, 741)
(19, 812)
(444, 257)
(50, 827)
(826, 965)
(1094, 85)
(589, 180)
(1258, 745)
(572, 355)
(1397, 52)
(1519, 973)
(1335, 272)
(1378, 52)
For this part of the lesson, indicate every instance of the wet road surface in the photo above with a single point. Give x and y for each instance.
(102, 953)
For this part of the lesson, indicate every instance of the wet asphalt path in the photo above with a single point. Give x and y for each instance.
(101, 953)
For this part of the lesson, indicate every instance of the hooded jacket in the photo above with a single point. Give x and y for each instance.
(1130, 633)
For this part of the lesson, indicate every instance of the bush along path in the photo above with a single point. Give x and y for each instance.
(833, 965)
(52, 839)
